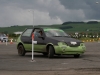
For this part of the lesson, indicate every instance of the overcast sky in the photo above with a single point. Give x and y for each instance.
(47, 12)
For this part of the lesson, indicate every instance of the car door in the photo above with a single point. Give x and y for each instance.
(26, 39)
(40, 46)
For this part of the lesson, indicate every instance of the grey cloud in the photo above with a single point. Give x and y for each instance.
(90, 8)
(16, 11)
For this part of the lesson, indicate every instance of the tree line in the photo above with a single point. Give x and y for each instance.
(89, 22)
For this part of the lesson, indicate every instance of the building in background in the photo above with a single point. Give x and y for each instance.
(17, 32)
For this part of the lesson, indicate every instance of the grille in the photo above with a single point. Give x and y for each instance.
(73, 45)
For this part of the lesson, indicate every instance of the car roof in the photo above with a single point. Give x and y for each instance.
(43, 28)
(46, 28)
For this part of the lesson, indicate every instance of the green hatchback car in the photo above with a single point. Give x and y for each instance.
(50, 42)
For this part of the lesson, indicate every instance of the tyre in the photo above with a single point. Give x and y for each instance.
(51, 52)
(21, 50)
(77, 55)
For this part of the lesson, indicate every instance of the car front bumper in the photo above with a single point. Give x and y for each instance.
(69, 50)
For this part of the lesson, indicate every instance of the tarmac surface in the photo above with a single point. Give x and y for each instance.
(12, 64)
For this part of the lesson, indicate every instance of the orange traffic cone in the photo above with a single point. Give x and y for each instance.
(11, 41)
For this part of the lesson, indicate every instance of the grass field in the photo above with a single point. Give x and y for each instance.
(75, 28)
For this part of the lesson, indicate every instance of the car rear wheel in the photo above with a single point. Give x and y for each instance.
(51, 52)
(21, 50)
(77, 55)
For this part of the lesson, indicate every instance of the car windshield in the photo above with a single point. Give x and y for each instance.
(55, 33)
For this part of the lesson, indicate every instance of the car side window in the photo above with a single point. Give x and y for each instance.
(27, 32)
(37, 32)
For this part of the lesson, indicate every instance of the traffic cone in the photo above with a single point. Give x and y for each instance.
(11, 41)
(90, 40)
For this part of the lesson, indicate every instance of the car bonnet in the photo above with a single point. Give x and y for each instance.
(65, 39)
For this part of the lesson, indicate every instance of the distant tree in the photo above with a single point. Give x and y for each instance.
(65, 23)
(92, 22)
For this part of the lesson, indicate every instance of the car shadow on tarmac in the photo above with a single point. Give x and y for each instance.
(55, 57)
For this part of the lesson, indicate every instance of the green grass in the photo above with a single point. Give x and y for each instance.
(13, 29)
(76, 28)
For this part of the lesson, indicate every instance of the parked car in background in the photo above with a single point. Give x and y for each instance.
(3, 38)
(50, 42)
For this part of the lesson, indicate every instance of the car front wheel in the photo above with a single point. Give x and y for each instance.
(51, 52)
(21, 50)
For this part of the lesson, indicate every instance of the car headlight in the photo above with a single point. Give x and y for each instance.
(73, 43)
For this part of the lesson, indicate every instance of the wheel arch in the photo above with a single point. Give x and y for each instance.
(47, 47)
(19, 44)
